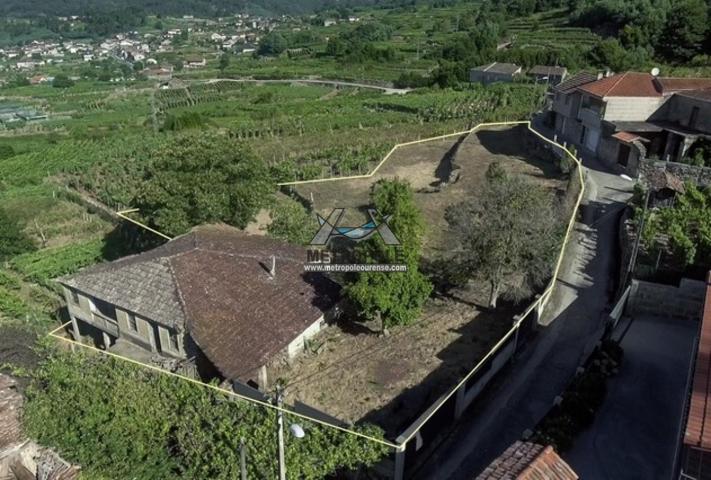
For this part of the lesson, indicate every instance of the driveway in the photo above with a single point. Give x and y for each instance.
(637, 430)
(579, 304)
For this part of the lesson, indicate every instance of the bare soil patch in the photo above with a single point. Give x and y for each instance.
(426, 165)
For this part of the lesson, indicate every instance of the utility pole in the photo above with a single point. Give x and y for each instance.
(635, 249)
(280, 430)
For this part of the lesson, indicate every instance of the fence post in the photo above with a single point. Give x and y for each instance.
(459, 406)
(399, 473)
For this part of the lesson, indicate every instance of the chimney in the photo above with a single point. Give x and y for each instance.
(272, 269)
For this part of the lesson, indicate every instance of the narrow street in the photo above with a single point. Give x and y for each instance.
(577, 310)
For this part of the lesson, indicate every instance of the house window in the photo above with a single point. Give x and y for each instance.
(173, 339)
(132, 325)
(104, 308)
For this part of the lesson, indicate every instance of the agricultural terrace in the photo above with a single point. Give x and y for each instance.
(399, 375)
(99, 139)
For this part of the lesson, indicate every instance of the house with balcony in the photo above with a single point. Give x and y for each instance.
(213, 303)
(626, 117)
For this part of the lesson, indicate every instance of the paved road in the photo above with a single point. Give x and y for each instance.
(637, 430)
(545, 367)
(337, 83)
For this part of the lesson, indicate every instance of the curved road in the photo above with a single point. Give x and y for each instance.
(539, 374)
(335, 83)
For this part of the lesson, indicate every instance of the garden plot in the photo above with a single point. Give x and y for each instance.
(351, 372)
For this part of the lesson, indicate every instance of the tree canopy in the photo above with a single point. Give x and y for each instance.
(202, 179)
(13, 240)
(397, 297)
(509, 235)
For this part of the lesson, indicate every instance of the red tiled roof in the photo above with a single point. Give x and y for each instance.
(683, 84)
(629, 84)
(698, 423)
(626, 137)
(528, 461)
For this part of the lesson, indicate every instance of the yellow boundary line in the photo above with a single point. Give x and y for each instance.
(543, 299)
(405, 144)
(123, 213)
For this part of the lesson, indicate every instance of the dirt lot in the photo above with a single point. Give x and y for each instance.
(354, 374)
(426, 165)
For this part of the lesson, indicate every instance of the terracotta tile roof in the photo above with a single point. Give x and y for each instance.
(670, 84)
(10, 413)
(528, 461)
(629, 84)
(698, 422)
(575, 81)
(214, 282)
(626, 137)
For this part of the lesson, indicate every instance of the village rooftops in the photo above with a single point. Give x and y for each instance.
(528, 461)
(635, 84)
(698, 423)
(502, 68)
(217, 283)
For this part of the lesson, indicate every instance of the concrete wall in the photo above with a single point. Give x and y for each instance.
(632, 109)
(684, 301)
(297, 345)
(477, 76)
(680, 108)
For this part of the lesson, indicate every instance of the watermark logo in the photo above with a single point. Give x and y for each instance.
(330, 228)
(321, 259)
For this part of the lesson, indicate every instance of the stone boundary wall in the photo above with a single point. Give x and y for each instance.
(685, 301)
(698, 175)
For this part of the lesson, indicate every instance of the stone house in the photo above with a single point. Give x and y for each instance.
(214, 303)
(494, 72)
(624, 118)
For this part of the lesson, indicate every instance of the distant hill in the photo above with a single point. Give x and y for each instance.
(32, 8)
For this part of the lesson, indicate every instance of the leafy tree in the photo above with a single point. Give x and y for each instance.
(224, 62)
(272, 44)
(397, 297)
(13, 240)
(201, 179)
(6, 151)
(62, 81)
(122, 421)
(292, 222)
(686, 226)
(509, 235)
(685, 30)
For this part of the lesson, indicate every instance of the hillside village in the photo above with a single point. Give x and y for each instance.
(437, 241)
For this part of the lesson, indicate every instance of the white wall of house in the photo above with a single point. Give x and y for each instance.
(297, 345)
(632, 109)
